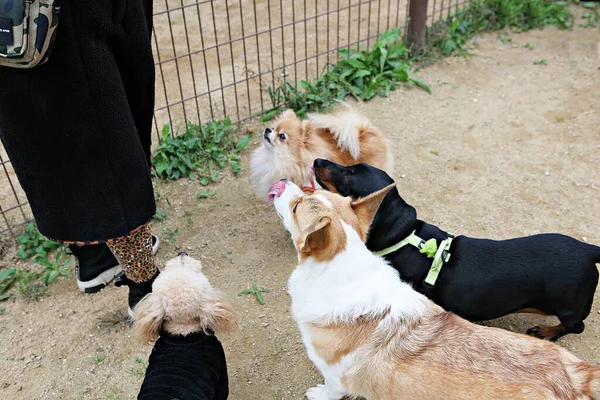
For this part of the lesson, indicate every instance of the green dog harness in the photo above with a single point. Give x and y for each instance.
(440, 254)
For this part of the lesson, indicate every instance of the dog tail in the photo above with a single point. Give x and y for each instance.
(345, 124)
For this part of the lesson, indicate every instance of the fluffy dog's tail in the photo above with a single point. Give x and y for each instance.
(346, 124)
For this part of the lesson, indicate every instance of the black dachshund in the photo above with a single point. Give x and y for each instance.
(480, 279)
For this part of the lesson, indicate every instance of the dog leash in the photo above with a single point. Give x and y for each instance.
(440, 254)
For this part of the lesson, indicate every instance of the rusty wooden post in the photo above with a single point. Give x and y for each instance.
(417, 23)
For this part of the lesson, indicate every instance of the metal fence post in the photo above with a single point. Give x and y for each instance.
(417, 24)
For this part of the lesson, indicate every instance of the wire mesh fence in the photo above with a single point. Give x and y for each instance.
(215, 59)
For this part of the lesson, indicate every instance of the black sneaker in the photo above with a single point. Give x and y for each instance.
(137, 291)
(96, 266)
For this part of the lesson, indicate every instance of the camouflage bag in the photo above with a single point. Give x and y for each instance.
(27, 31)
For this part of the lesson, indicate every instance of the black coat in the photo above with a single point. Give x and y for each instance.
(189, 367)
(77, 129)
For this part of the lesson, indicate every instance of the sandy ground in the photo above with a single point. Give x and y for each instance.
(502, 148)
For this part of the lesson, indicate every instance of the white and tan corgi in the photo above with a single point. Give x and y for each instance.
(289, 148)
(371, 335)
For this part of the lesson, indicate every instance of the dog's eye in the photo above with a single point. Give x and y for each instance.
(282, 136)
(295, 206)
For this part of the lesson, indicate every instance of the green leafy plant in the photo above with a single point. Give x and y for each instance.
(540, 62)
(504, 39)
(257, 292)
(591, 15)
(7, 277)
(140, 370)
(362, 74)
(161, 214)
(170, 234)
(53, 269)
(205, 195)
(28, 285)
(34, 244)
(201, 151)
(188, 218)
(453, 36)
(32, 284)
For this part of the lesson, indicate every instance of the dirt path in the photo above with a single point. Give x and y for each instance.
(502, 148)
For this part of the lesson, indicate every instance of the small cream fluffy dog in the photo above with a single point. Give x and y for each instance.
(182, 302)
(291, 145)
(371, 335)
(187, 361)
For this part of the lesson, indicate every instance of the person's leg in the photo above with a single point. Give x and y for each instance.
(96, 266)
(69, 129)
(134, 253)
(78, 128)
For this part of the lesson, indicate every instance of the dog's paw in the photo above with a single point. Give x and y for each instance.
(318, 392)
(543, 332)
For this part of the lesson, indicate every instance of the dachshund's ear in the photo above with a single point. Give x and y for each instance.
(216, 313)
(148, 318)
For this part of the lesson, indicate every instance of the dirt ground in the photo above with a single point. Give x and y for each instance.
(502, 148)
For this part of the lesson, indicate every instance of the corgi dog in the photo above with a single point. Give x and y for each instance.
(289, 147)
(372, 335)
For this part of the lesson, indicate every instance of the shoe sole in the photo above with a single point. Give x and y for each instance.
(100, 282)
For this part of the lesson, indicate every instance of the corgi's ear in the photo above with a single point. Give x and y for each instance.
(366, 207)
(315, 236)
(148, 318)
(289, 113)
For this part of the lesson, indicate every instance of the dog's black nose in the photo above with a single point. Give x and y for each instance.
(319, 162)
(267, 132)
(182, 254)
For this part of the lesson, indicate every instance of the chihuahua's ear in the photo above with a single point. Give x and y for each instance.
(315, 236)
(216, 314)
(289, 113)
(148, 318)
(365, 208)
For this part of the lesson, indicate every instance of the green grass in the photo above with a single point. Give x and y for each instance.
(201, 152)
(541, 62)
(362, 74)
(257, 292)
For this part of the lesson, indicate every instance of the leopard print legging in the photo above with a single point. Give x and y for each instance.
(134, 253)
